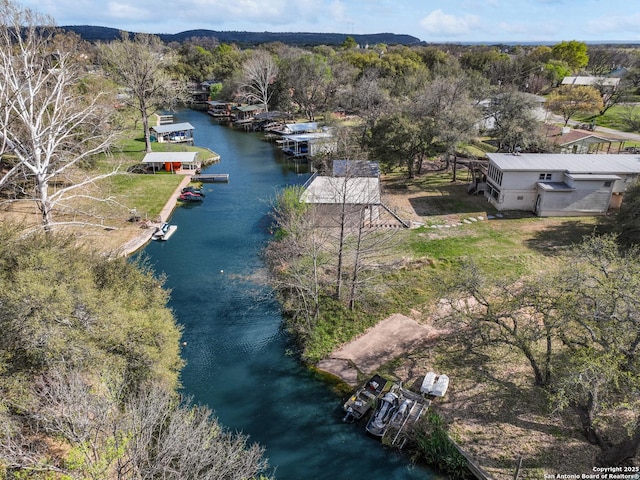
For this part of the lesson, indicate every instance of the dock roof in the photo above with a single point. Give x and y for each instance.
(163, 157)
(173, 127)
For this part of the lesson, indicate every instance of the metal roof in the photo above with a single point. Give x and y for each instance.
(567, 162)
(302, 127)
(305, 137)
(173, 127)
(162, 157)
(356, 168)
(336, 190)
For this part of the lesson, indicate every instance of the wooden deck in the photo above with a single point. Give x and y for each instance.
(211, 178)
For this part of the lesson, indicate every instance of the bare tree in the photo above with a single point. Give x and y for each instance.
(149, 435)
(299, 235)
(174, 442)
(142, 65)
(47, 125)
(259, 74)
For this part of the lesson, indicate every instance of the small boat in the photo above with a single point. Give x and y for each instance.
(190, 189)
(190, 197)
(364, 399)
(434, 384)
(164, 232)
(379, 421)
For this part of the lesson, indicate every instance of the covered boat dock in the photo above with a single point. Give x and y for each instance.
(173, 133)
(176, 162)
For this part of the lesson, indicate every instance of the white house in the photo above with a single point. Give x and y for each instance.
(558, 184)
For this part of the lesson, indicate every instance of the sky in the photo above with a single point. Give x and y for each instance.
(432, 21)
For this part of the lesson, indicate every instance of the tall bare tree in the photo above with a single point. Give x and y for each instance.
(259, 74)
(142, 66)
(47, 124)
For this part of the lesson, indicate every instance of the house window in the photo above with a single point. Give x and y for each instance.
(544, 176)
(607, 184)
(495, 174)
(520, 197)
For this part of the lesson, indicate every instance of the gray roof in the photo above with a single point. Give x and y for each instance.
(567, 162)
(584, 80)
(173, 127)
(305, 137)
(302, 127)
(356, 191)
(162, 157)
(356, 168)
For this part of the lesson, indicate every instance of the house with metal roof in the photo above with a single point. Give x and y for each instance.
(576, 140)
(610, 83)
(559, 184)
(172, 133)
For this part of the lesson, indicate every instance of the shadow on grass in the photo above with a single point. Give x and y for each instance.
(554, 239)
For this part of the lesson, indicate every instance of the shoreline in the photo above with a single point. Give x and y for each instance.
(141, 241)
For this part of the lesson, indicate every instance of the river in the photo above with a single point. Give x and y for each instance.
(236, 353)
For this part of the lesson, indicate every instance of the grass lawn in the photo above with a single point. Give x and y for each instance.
(612, 118)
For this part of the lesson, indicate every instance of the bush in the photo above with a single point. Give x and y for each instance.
(434, 446)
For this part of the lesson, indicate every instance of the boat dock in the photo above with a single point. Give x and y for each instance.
(211, 178)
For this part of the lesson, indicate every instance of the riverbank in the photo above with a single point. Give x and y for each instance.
(142, 239)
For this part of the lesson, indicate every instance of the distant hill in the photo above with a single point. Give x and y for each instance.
(105, 34)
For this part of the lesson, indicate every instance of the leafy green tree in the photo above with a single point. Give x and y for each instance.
(308, 77)
(195, 62)
(349, 43)
(402, 140)
(227, 61)
(515, 125)
(556, 70)
(572, 52)
(569, 100)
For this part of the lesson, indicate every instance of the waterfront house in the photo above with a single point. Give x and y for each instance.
(172, 133)
(245, 113)
(559, 184)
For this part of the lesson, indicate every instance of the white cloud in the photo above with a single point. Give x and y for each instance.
(119, 11)
(440, 23)
(615, 25)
